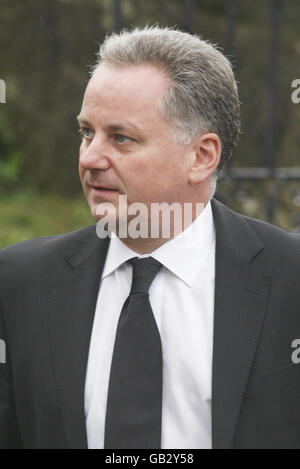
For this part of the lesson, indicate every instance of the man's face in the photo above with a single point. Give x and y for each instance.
(127, 145)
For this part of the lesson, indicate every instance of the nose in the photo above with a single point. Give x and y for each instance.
(95, 155)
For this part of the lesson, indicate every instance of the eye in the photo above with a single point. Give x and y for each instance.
(122, 138)
(86, 133)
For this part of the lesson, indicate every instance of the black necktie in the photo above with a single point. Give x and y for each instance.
(134, 402)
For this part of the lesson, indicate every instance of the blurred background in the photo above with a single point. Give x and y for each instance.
(46, 49)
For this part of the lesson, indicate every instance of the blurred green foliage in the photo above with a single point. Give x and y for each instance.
(28, 215)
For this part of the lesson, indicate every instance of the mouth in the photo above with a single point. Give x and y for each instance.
(102, 190)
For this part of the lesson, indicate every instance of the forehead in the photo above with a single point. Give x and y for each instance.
(133, 91)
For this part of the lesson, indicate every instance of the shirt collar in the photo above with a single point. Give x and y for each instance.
(184, 255)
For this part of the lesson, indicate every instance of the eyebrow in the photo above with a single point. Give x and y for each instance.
(116, 127)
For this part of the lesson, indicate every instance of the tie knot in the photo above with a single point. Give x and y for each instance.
(143, 273)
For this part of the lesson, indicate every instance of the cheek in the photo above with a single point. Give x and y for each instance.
(166, 169)
(156, 170)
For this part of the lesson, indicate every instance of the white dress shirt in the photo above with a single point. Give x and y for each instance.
(182, 300)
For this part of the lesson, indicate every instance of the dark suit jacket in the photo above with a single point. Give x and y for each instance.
(48, 293)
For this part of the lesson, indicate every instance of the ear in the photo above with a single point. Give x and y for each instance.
(207, 151)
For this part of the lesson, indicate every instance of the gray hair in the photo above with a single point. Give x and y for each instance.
(203, 94)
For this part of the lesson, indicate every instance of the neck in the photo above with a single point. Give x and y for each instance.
(168, 227)
(144, 246)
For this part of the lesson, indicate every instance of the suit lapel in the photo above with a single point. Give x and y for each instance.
(71, 307)
(241, 293)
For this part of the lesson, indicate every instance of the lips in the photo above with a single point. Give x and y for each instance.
(102, 188)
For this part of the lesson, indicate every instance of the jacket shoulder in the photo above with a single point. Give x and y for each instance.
(278, 244)
(277, 240)
(37, 256)
(50, 243)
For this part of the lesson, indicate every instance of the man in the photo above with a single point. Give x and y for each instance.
(183, 345)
